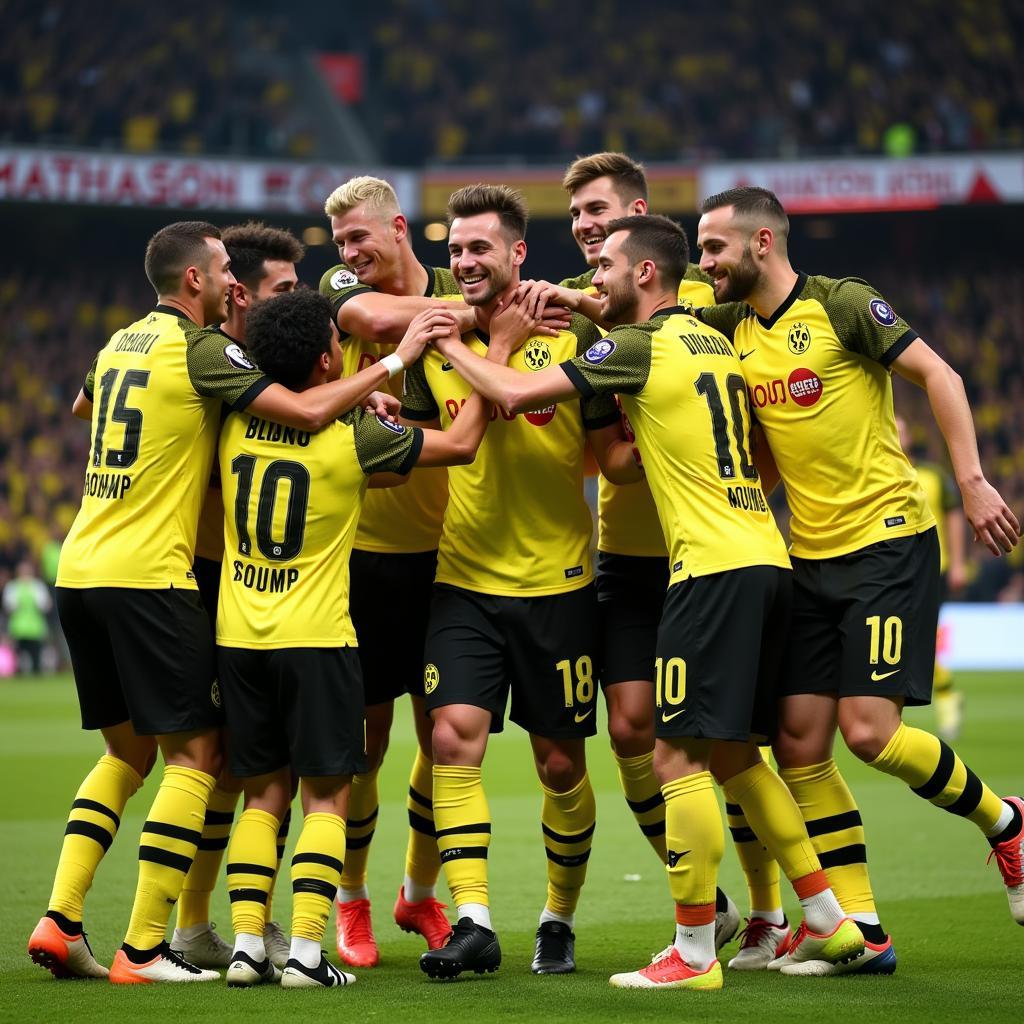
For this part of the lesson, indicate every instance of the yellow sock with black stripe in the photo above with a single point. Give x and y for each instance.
(316, 872)
(760, 868)
(252, 864)
(942, 684)
(462, 820)
(643, 796)
(363, 808)
(836, 831)
(567, 821)
(422, 859)
(282, 841)
(169, 839)
(194, 904)
(92, 824)
(933, 771)
(695, 840)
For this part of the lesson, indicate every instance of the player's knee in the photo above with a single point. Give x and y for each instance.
(376, 748)
(560, 771)
(448, 744)
(864, 738)
(631, 735)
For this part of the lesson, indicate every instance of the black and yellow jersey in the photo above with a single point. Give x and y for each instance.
(627, 519)
(681, 386)
(401, 519)
(517, 524)
(943, 497)
(292, 501)
(817, 373)
(157, 388)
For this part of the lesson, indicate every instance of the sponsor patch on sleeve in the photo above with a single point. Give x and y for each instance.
(343, 279)
(599, 351)
(395, 428)
(882, 312)
(236, 357)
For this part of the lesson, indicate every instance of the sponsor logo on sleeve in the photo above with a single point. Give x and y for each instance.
(395, 428)
(599, 351)
(236, 357)
(882, 312)
(343, 279)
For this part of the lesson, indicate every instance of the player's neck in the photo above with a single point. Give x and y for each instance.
(192, 308)
(484, 313)
(772, 290)
(234, 326)
(408, 278)
(647, 306)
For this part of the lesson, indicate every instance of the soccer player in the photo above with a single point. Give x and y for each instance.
(263, 262)
(728, 600)
(513, 606)
(286, 646)
(139, 639)
(948, 510)
(816, 355)
(394, 557)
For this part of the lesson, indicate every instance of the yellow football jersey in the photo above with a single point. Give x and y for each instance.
(517, 524)
(942, 496)
(210, 536)
(681, 385)
(398, 519)
(159, 385)
(818, 378)
(292, 501)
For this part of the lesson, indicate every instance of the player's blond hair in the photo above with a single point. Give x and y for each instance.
(376, 193)
(628, 177)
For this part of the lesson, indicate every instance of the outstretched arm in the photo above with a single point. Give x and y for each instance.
(617, 457)
(385, 318)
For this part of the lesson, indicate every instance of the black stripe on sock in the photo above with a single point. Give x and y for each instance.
(218, 818)
(316, 887)
(567, 838)
(280, 853)
(421, 799)
(358, 842)
(734, 809)
(834, 823)
(967, 802)
(464, 853)
(941, 776)
(421, 824)
(575, 861)
(93, 805)
(742, 835)
(161, 828)
(481, 827)
(657, 829)
(317, 858)
(282, 832)
(247, 896)
(244, 868)
(642, 806)
(165, 858)
(363, 822)
(90, 831)
(855, 853)
(212, 845)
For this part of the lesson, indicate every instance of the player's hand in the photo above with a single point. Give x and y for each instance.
(956, 578)
(383, 405)
(993, 523)
(425, 328)
(512, 324)
(550, 305)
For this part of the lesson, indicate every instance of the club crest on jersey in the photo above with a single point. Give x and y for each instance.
(799, 339)
(236, 357)
(882, 312)
(343, 279)
(431, 677)
(537, 354)
(395, 428)
(599, 351)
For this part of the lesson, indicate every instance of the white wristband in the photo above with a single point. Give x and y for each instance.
(393, 364)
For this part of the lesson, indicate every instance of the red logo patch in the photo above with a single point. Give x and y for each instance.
(540, 417)
(804, 386)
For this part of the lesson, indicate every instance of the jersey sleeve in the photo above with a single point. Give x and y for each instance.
(219, 368)
(617, 364)
(724, 318)
(385, 447)
(695, 289)
(583, 282)
(339, 284)
(600, 408)
(417, 399)
(865, 323)
(89, 386)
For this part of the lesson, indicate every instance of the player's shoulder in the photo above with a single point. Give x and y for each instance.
(443, 284)
(696, 275)
(581, 281)
(837, 292)
(338, 278)
(584, 330)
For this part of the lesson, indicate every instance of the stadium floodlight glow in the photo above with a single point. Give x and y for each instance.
(316, 236)
(435, 231)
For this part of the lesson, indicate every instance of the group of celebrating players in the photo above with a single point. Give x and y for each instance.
(242, 524)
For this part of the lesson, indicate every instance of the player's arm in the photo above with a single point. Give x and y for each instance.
(990, 518)
(617, 458)
(956, 571)
(764, 460)
(561, 296)
(82, 406)
(385, 318)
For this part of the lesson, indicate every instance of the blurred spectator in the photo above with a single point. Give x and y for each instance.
(27, 604)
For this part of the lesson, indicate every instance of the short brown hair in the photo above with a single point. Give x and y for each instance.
(628, 177)
(175, 247)
(506, 202)
(752, 203)
(657, 238)
(251, 244)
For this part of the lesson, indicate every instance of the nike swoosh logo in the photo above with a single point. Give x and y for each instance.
(877, 677)
(674, 858)
(582, 718)
(743, 355)
(446, 367)
(675, 714)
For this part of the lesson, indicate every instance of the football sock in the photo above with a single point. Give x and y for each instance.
(477, 913)
(1007, 826)
(306, 951)
(643, 795)
(942, 683)
(836, 831)
(760, 868)
(282, 841)
(822, 912)
(567, 821)
(194, 904)
(463, 822)
(422, 859)
(166, 848)
(251, 945)
(695, 840)
(252, 862)
(695, 935)
(316, 870)
(363, 807)
(92, 824)
(548, 915)
(933, 771)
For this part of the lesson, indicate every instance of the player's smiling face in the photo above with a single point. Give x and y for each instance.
(615, 282)
(368, 242)
(724, 243)
(592, 206)
(217, 280)
(483, 258)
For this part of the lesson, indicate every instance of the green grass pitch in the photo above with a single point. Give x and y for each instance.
(961, 957)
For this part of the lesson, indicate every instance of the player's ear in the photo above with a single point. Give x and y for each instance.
(638, 207)
(239, 295)
(518, 253)
(400, 226)
(193, 279)
(764, 241)
(646, 271)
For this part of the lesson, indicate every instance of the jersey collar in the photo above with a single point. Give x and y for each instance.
(171, 311)
(429, 291)
(770, 322)
(669, 311)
